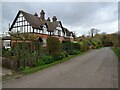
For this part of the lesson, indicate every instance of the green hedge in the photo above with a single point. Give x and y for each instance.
(50, 59)
(117, 51)
(69, 46)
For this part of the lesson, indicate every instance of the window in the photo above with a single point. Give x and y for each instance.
(29, 29)
(23, 18)
(6, 43)
(15, 24)
(14, 30)
(34, 30)
(25, 22)
(20, 23)
(18, 29)
(20, 19)
(25, 28)
(21, 29)
(59, 33)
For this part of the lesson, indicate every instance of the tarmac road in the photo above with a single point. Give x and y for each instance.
(95, 69)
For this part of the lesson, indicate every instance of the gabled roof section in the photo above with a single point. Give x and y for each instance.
(68, 33)
(52, 25)
(14, 21)
(62, 27)
(34, 21)
(73, 34)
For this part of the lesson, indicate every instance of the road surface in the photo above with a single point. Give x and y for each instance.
(95, 69)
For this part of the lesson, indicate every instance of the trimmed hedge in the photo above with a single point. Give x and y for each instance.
(69, 46)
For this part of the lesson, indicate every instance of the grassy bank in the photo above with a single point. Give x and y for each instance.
(35, 69)
(117, 51)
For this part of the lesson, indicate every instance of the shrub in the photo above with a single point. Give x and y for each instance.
(44, 60)
(65, 54)
(26, 68)
(53, 45)
(68, 46)
(117, 51)
(40, 63)
(22, 68)
(76, 46)
(83, 46)
(47, 59)
(73, 52)
(59, 56)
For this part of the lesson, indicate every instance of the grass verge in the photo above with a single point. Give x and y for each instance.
(117, 51)
(35, 69)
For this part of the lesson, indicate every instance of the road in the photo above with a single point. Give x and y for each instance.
(95, 69)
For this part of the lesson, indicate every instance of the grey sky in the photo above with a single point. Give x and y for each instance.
(78, 16)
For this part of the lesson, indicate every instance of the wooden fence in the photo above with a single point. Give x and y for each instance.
(17, 65)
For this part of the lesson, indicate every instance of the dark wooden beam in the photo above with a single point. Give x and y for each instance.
(33, 30)
(24, 26)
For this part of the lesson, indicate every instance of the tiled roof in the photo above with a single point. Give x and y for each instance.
(52, 25)
(34, 21)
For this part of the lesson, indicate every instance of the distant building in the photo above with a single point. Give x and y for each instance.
(40, 27)
(103, 33)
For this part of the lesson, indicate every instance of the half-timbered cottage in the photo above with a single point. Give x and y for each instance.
(40, 27)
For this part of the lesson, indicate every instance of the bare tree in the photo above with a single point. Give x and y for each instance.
(94, 31)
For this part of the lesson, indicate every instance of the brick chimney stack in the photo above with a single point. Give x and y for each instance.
(48, 19)
(54, 18)
(42, 15)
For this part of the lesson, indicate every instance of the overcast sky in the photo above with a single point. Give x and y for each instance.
(76, 16)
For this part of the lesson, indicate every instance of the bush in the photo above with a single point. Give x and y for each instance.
(26, 68)
(65, 54)
(60, 56)
(53, 45)
(44, 60)
(48, 59)
(40, 63)
(83, 46)
(73, 52)
(117, 51)
(76, 46)
(68, 46)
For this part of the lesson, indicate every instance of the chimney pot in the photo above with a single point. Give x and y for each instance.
(48, 19)
(36, 14)
(54, 18)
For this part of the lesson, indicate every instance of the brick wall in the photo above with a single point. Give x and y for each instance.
(45, 36)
